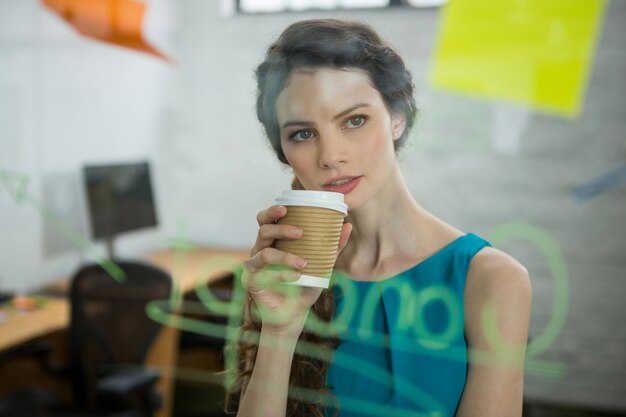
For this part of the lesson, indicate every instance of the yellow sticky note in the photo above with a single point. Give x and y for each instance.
(532, 52)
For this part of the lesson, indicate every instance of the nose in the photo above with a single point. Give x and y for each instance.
(331, 151)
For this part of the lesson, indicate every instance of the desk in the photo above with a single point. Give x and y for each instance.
(188, 268)
(24, 327)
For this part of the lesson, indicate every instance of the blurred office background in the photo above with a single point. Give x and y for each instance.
(479, 162)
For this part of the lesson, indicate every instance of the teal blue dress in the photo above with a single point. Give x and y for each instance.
(402, 349)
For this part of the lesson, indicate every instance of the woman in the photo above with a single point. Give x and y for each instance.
(439, 318)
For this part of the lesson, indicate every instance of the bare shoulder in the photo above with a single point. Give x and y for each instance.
(497, 279)
(497, 304)
(494, 271)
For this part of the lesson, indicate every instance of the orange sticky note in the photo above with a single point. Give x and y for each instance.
(537, 53)
(117, 22)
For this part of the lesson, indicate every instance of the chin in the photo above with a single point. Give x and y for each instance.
(351, 202)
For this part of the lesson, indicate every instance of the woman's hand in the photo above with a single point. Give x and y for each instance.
(283, 308)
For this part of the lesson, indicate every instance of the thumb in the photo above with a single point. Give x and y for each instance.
(346, 230)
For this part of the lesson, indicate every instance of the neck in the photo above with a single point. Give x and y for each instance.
(384, 228)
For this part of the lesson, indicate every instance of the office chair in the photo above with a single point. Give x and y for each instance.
(26, 363)
(110, 335)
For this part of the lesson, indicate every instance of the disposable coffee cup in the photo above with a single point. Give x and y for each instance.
(320, 215)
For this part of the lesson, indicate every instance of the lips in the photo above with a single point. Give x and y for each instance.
(343, 187)
(336, 179)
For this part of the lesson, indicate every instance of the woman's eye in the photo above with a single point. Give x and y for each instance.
(355, 121)
(301, 135)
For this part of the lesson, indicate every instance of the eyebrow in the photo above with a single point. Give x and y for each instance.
(337, 116)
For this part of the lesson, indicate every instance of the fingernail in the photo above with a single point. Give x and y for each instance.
(296, 232)
(300, 263)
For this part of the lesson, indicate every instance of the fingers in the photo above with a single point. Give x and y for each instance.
(271, 214)
(277, 265)
(346, 230)
(269, 231)
(272, 256)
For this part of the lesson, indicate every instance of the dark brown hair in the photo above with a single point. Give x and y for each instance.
(326, 43)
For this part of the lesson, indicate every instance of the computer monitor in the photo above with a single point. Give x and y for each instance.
(120, 199)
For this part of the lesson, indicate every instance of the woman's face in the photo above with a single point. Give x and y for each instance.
(333, 123)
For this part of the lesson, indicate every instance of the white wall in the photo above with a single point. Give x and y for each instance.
(65, 101)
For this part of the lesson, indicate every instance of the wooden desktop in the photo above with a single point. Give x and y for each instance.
(188, 268)
(23, 327)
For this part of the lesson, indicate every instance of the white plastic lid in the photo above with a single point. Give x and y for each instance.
(324, 199)
(310, 281)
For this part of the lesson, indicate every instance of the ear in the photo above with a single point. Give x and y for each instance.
(398, 124)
